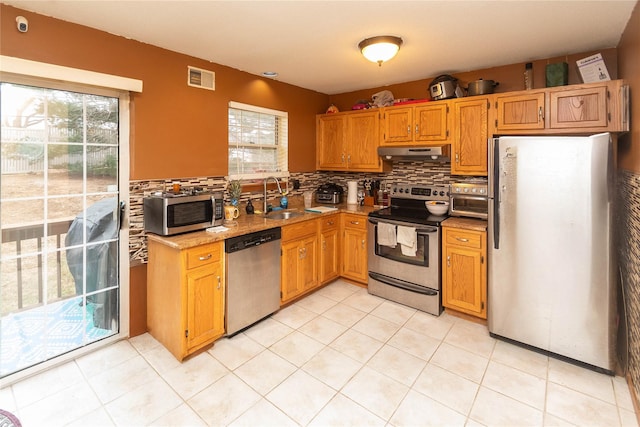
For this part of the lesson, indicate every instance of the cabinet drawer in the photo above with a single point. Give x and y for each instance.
(467, 239)
(329, 222)
(203, 255)
(299, 230)
(358, 222)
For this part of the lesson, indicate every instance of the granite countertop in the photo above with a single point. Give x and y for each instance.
(465, 223)
(246, 224)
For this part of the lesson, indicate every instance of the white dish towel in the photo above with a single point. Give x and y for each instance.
(386, 234)
(408, 240)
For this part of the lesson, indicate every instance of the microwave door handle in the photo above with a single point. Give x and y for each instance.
(213, 210)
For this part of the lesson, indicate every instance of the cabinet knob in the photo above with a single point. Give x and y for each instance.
(219, 282)
(355, 222)
(417, 129)
(448, 261)
(363, 242)
(205, 257)
(408, 129)
(540, 114)
(462, 239)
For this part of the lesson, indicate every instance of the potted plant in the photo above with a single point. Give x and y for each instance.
(235, 190)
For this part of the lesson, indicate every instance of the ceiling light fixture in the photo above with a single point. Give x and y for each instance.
(271, 74)
(380, 48)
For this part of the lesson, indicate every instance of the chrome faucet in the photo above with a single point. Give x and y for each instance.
(265, 191)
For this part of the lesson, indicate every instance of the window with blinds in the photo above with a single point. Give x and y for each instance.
(257, 142)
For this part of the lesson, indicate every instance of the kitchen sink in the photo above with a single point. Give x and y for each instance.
(284, 214)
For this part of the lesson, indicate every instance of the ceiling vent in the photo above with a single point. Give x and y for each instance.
(201, 78)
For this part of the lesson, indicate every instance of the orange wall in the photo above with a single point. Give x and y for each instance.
(176, 130)
(510, 78)
(629, 63)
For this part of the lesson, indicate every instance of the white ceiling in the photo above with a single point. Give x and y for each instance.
(313, 44)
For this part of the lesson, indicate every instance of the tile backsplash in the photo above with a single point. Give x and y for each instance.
(402, 173)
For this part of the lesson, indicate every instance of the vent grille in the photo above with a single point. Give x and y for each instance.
(203, 79)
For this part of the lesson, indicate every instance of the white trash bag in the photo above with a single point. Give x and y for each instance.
(382, 99)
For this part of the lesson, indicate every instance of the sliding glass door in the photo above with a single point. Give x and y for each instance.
(60, 218)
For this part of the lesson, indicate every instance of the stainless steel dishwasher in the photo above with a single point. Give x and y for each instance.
(253, 278)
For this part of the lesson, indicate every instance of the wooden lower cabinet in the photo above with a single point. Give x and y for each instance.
(185, 296)
(329, 248)
(464, 271)
(299, 259)
(354, 247)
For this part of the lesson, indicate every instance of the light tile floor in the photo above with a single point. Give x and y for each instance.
(337, 357)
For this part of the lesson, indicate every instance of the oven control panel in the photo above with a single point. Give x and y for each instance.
(473, 189)
(420, 192)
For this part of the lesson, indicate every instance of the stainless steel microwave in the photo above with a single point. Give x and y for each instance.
(168, 213)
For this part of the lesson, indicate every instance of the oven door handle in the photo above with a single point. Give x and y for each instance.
(419, 231)
(408, 286)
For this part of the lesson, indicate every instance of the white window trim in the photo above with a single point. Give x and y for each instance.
(264, 175)
(25, 67)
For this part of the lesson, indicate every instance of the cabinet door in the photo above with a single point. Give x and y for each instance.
(330, 142)
(290, 265)
(354, 247)
(308, 259)
(579, 108)
(463, 282)
(469, 142)
(363, 138)
(431, 123)
(354, 255)
(464, 271)
(205, 305)
(519, 112)
(398, 125)
(329, 267)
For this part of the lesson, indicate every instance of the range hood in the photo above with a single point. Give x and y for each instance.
(426, 154)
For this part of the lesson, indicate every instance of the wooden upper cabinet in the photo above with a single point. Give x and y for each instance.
(330, 141)
(519, 112)
(349, 141)
(397, 125)
(469, 142)
(577, 108)
(584, 108)
(363, 138)
(431, 122)
(416, 125)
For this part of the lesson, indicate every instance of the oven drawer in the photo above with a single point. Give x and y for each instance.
(457, 237)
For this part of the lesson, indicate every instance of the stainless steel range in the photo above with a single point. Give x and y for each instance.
(404, 248)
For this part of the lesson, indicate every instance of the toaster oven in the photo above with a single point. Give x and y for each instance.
(469, 199)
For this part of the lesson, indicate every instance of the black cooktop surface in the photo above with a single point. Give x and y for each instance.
(413, 214)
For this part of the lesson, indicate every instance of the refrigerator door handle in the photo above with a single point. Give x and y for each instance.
(495, 173)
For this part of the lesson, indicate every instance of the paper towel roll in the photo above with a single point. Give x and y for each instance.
(352, 192)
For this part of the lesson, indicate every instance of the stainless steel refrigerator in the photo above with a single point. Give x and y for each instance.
(551, 260)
